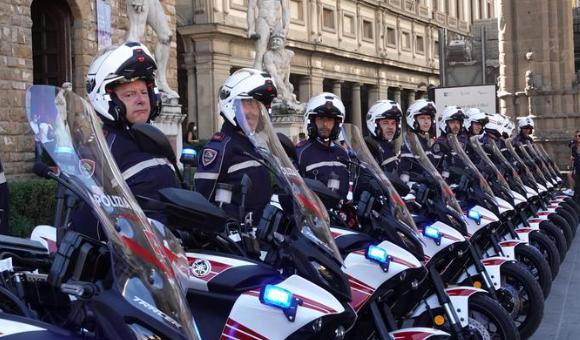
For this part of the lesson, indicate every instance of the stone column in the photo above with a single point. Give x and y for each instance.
(337, 88)
(189, 64)
(373, 95)
(356, 105)
(411, 97)
(397, 94)
(212, 74)
(309, 86)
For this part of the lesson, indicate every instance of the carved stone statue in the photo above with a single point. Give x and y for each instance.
(150, 12)
(277, 63)
(530, 84)
(264, 18)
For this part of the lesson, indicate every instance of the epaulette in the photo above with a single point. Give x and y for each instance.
(218, 137)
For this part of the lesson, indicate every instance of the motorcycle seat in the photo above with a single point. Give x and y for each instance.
(190, 209)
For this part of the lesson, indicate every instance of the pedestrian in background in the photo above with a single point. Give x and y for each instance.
(3, 202)
(575, 157)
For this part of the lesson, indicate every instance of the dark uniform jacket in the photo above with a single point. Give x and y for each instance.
(407, 163)
(225, 159)
(384, 153)
(144, 173)
(318, 161)
(3, 202)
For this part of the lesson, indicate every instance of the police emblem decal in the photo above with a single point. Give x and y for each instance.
(200, 268)
(87, 167)
(208, 156)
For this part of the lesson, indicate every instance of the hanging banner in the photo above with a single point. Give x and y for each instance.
(104, 31)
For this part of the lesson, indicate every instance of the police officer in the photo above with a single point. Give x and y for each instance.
(450, 122)
(320, 157)
(420, 120)
(525, 130)
(122, 90)
(384, 124)
(474, 121)
(231, 154)
(3, 202)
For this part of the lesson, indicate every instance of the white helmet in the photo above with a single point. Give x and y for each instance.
(324, 105)
(525, 122)
(245, 83)
(380, 110)
(450, 113)
(508, 127)
(420, 107)
(494, 124)
(474, 115)
(128, 62)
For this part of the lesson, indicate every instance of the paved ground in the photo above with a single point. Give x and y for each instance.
(562, 308)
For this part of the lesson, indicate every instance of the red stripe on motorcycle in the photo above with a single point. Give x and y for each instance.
(147, 256)
(535, 220)
(493, 262)
(412, 335)
(544, 213)
(509, 243)
(460, 292)
(447, 236)
(524, 230)
(360, 293)
(401, 261)
(235, 330)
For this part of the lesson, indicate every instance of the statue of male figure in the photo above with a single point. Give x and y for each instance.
(141, 13)
(265, 17)
(277, 63)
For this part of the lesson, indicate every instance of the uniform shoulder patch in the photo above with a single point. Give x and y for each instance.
(208, 156)
(218, 137)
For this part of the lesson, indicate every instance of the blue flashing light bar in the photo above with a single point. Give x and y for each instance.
(474, 215)
(432, 233)
(377, 254)
(277, 297)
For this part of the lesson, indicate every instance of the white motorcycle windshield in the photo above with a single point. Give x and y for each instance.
(510, 170)
(310, 215)
(478, 149)
(355, 143)
(413, 143)
(146, 273)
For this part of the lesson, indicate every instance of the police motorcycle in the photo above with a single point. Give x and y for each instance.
(221, 294)
(463, 311)
(512, 242)
(129, 287)
(539, 210)
(290, 249)
(565, 206)
(485, 217)
(560, 215)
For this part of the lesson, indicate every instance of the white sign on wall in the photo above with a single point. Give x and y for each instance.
(482, 97)
(104, 31)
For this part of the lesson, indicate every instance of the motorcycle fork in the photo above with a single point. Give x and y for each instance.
(445, 301)
(382, 331)
(476, 258)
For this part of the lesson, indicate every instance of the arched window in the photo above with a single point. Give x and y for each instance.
(51, 42)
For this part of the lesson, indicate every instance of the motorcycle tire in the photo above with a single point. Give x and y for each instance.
(557, 236)
(531, 258)
(487, 319)
(521, 296)
(548, 249)
(575, 207)
(561, 223)
(568, 214)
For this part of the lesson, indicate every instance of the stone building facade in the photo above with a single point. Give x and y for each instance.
(540, 40)
(361, 50)
(50, 42)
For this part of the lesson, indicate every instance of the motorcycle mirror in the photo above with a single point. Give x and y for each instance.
(151, 139)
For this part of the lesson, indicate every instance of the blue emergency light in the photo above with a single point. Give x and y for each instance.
(275, 296)
(379, 255)
(432, 233)
(474, 215)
